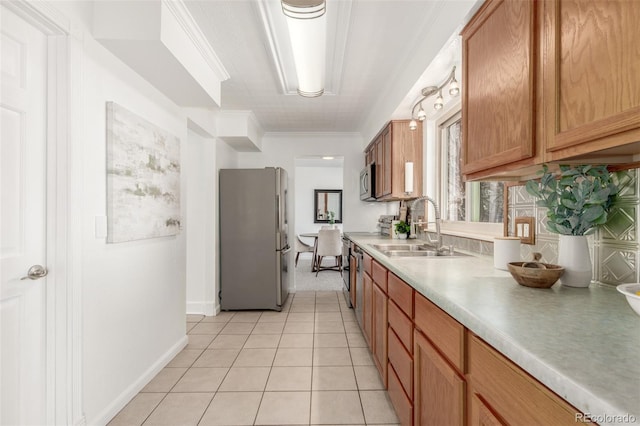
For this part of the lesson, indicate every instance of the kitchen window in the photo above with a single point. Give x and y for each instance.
(463, 201)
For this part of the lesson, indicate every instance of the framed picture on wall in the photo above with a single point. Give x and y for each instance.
(143, 178)
(327, 205)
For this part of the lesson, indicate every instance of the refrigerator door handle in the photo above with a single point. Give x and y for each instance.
(278, 218)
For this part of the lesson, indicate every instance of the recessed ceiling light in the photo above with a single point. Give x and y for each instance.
(327, 158)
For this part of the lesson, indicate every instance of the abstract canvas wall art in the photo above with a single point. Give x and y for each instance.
(143, 178)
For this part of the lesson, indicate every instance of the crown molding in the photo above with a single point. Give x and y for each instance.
(184, 18)
(43, 15)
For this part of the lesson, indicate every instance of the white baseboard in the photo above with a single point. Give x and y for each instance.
(126, 396)
(203, 308)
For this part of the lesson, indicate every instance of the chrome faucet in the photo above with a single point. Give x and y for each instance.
(438, 240)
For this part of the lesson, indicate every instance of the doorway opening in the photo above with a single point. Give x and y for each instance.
(313, 173)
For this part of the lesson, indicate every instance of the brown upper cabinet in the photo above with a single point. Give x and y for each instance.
(592, 79)
(499, 96)
(395, 145)
(550, 81)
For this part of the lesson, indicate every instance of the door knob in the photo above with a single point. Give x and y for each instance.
(36, 272)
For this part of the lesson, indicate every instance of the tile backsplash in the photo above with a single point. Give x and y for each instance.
(614, 247)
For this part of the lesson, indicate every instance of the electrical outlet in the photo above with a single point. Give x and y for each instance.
(525, 229)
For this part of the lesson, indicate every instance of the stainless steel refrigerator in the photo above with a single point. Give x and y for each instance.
(254, 245)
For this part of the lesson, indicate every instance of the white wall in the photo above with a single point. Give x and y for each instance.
(133, 293)
(306, 180)
(199, 224)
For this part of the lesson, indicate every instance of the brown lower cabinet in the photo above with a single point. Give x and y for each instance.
(401, 402)
(353, 276)
(380, 325)
(439, 373)
(500, 392)
(367, 308)
(481, 414)
(439, 391)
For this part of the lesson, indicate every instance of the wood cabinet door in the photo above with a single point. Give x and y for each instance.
(367, 309)
(481, 415)
(380, 325)
(369, 156)
(353, 278)
(591, 83)
(388, 160)
(406, 146)
(439, 392)
(513, 394)
(498, 97)
(379, 148)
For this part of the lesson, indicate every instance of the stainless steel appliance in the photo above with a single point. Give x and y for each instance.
(359, 284)
(254, 246)
(346, 253)
(368, 183)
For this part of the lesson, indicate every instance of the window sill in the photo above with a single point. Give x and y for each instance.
(476, 231)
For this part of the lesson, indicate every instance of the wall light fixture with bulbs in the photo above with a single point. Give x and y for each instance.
(454, 90)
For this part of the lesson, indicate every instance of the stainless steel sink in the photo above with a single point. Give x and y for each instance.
(403, 247)
(423, 253)
(415, 250)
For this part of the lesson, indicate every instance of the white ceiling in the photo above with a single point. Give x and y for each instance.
(388, 48)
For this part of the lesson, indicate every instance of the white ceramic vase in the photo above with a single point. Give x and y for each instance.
(573, 255)
(402, 236)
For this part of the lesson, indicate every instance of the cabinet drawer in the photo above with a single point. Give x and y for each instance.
(401, 325)
(379, 275)
(367, 263)
(446, 333)
(402, 363)
(401, 293)
(511, 392)
(400, 401)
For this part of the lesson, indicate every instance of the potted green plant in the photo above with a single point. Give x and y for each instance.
(402, 229)
(578, 200)
(332, 218)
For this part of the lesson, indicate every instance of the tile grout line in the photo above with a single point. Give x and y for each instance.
(317, 303)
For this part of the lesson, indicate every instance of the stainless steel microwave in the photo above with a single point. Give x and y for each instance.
(368, 183)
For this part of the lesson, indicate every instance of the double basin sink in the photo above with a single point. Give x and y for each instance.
(415, 250)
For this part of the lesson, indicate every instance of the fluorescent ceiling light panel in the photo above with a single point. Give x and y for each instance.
(307, 25)
(276, 31)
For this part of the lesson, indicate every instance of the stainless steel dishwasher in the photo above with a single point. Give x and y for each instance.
(359, 283)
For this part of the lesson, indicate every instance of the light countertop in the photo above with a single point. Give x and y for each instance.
(584, 344)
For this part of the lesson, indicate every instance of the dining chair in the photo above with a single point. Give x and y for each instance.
(302, 247)
(329, 245)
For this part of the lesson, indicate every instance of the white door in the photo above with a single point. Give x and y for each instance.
(23, 103)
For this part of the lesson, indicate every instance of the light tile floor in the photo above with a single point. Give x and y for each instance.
(306, 365)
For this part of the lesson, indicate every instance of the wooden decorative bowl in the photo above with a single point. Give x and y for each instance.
(535, 274)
